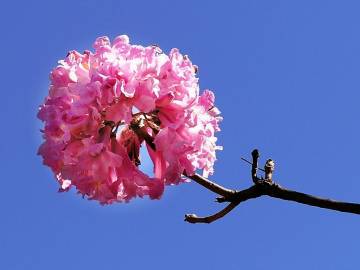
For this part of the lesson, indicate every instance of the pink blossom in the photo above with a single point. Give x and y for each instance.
(103, 106)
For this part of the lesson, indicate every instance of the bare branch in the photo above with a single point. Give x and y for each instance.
(255, 157)
(243, 195)
(192, 218)
(276, 191)
(214, 187)
(263, 187)
(290, 195)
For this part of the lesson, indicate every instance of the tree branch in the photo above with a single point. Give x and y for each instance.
(192, 218)
(255, 157)
(212, 186)
(266, 187)
(290, 195)
(261, 187)
(276, 191)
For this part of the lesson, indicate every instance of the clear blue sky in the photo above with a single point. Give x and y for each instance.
(286, 75)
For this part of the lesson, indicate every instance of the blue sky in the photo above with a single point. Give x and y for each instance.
(286, 78)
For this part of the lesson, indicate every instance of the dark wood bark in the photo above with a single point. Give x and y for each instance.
(264, 187)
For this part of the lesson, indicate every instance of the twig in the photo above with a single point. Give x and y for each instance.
(255, 157)
(269, 169)
(192, 218)
(212, 186)
(244, 159)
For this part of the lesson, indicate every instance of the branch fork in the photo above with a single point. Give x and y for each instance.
(262, 186)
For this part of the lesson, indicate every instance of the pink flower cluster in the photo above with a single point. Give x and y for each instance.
(103, 106)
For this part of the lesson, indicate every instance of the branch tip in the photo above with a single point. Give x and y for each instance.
(269, 169)
(255, 157)
(191, 218)
(255, 153)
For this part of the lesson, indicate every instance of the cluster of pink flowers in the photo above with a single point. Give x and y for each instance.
(103, 106)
